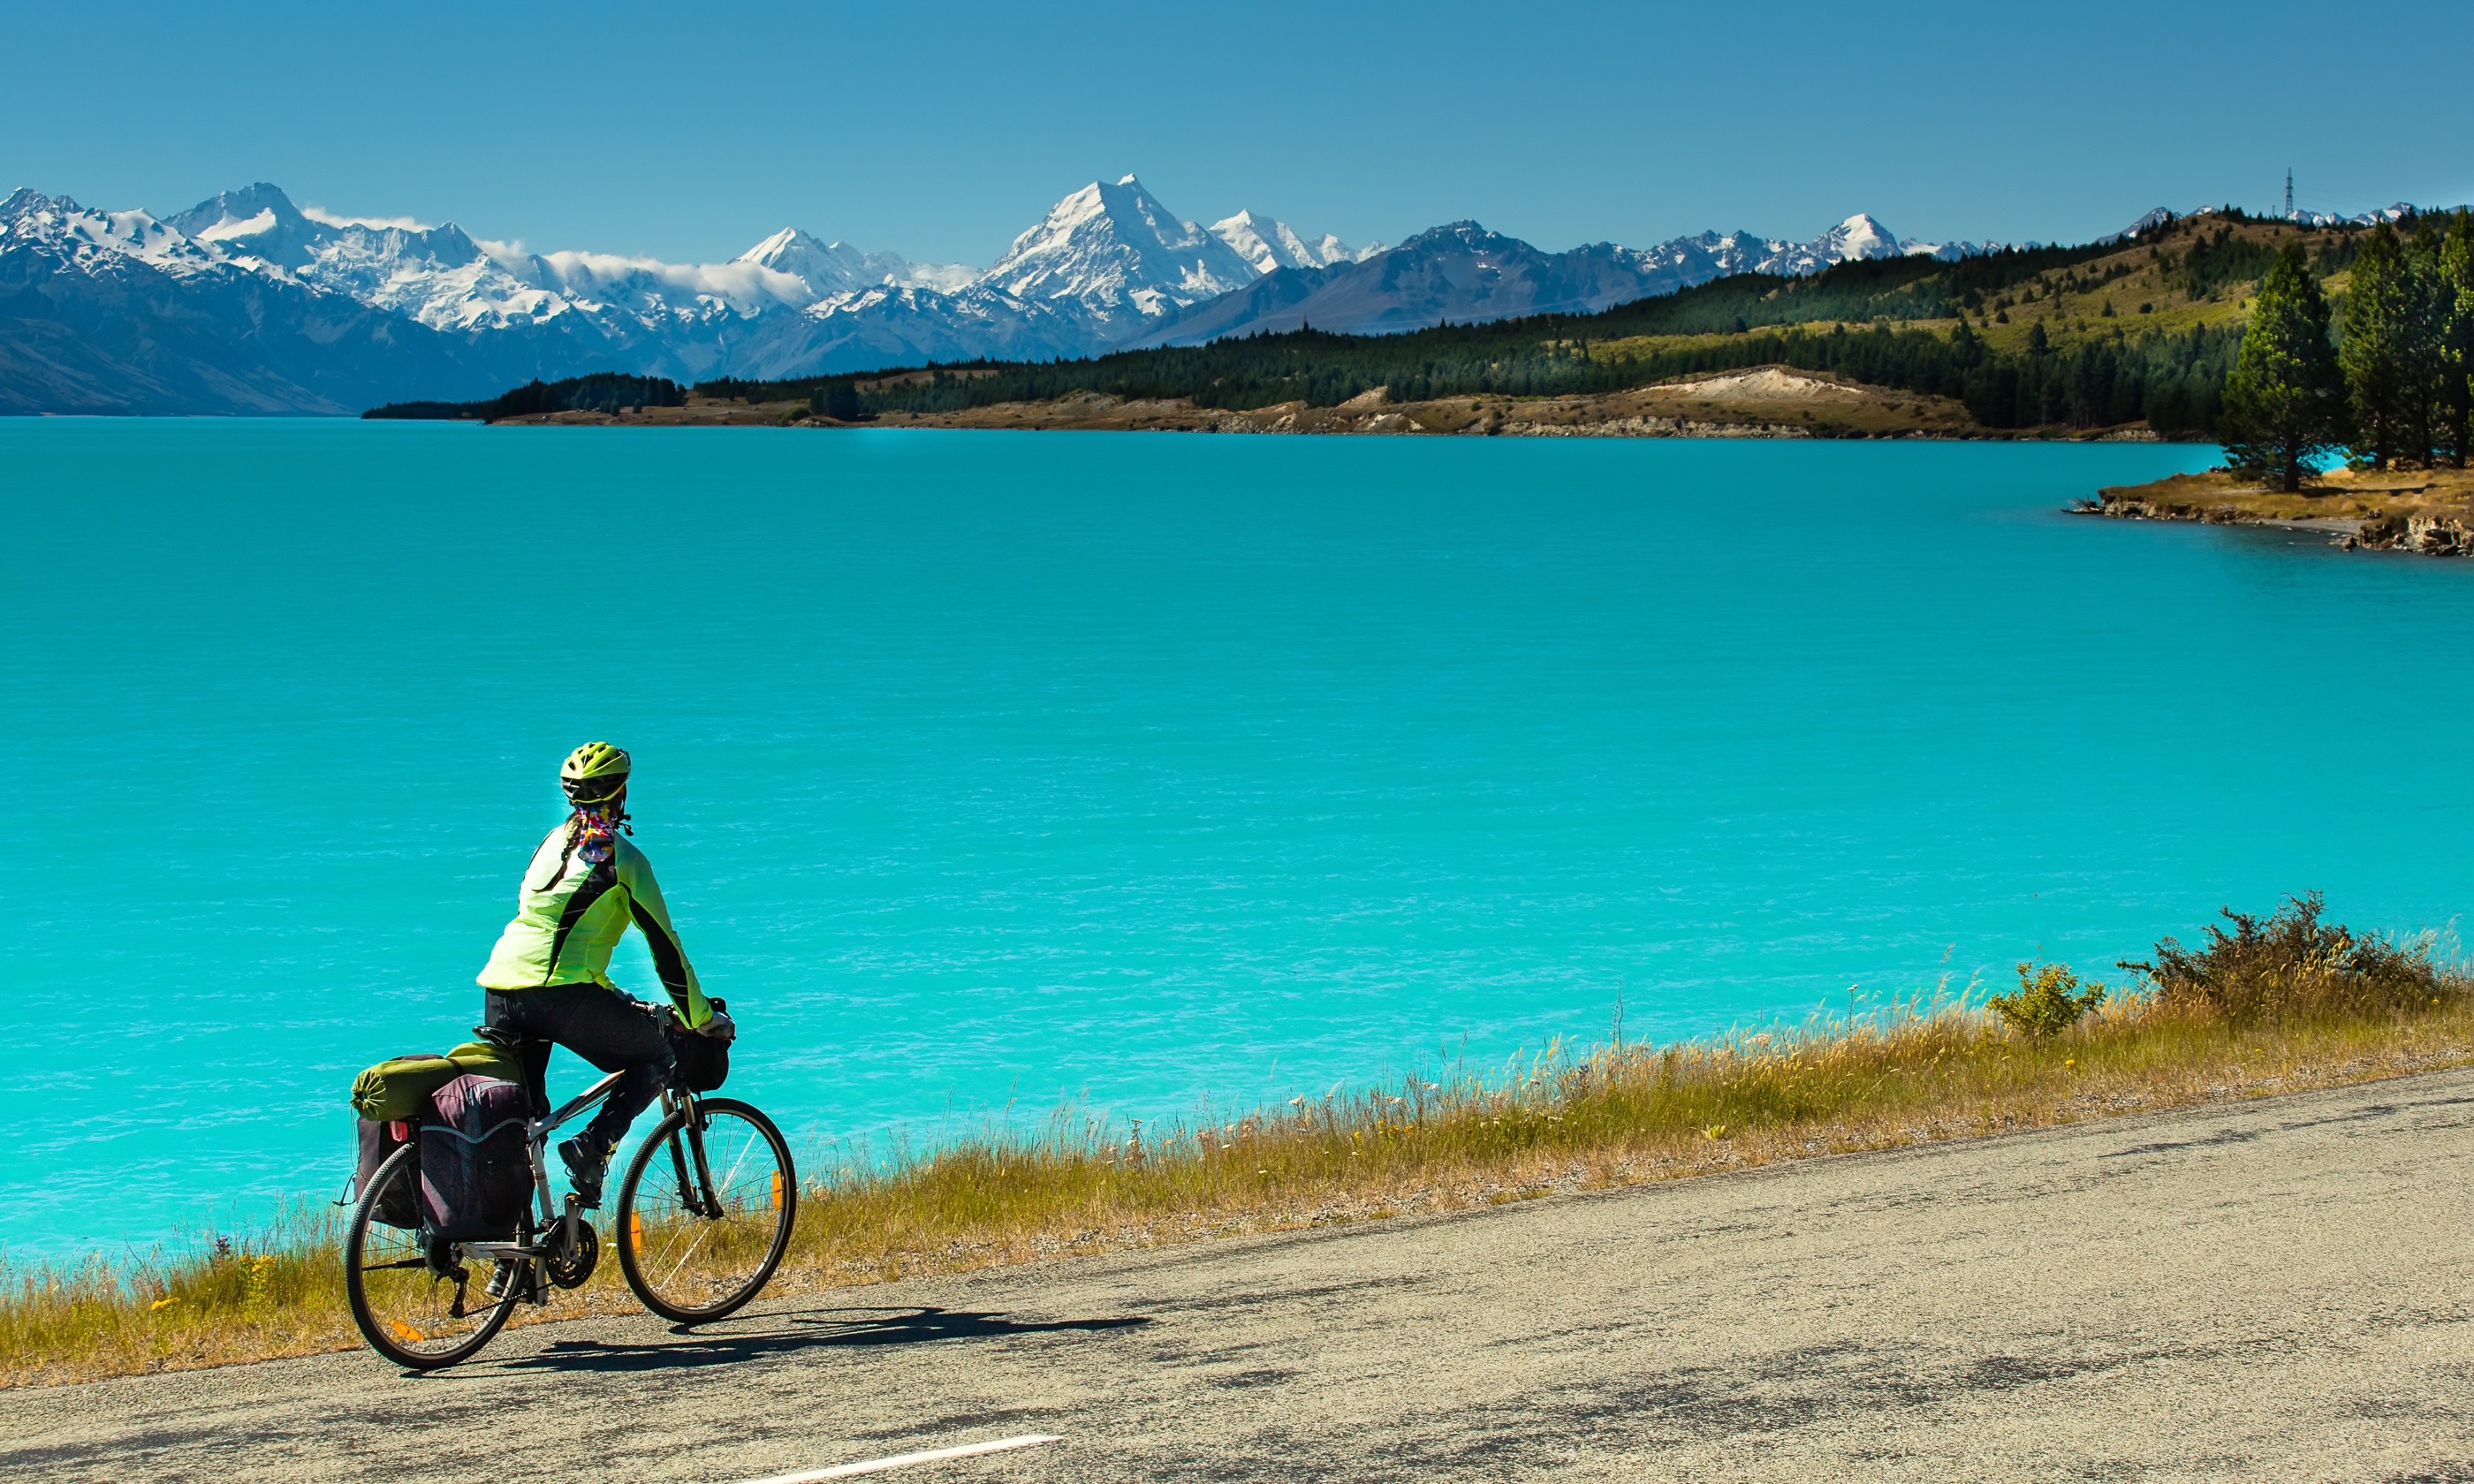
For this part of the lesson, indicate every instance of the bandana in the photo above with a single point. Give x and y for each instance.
(594, 838)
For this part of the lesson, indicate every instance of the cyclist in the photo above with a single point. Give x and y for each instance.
(548, 979)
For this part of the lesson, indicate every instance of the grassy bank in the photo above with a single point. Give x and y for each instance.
(2258, 1008)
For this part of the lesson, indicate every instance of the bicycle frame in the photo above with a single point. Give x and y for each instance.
(537, 1135)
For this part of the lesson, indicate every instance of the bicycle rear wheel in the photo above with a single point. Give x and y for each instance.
(706, 1210)
(418, 1314)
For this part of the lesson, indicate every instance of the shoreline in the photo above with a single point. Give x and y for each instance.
(1763, 402)
(2248, 1289)
(1574, 1121)
(2422, 511)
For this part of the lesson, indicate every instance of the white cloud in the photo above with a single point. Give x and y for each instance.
(744, 286)
(508, 254)
(375, 223)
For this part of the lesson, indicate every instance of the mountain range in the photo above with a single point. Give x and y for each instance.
(248, 302)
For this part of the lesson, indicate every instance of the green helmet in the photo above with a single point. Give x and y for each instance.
(594, 773)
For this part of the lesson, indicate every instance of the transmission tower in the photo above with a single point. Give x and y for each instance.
(2288, 193)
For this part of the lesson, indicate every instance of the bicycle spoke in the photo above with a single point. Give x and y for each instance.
(417, 1304)
(689, 1252)
(704, 1236)
(732, 1179)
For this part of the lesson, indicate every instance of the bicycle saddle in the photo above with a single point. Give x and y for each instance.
(531, 1053)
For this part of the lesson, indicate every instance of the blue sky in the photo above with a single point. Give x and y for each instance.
(939, 132)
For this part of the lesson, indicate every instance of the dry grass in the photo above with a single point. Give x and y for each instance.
(1611, 1116)
(2335, 494)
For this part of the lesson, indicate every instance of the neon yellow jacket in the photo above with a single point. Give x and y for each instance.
(570, 914)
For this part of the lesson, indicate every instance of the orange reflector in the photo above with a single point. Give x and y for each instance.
(777, 1191)
(405, 1332)
(636, 1230)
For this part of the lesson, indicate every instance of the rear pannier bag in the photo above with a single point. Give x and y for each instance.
(401, 1206)
(400, 1087)
(704, 1055)
(474, 1174)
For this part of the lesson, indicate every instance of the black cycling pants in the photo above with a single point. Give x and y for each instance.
(613, 1031)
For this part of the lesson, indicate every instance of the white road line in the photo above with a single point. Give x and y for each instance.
(904, 1460)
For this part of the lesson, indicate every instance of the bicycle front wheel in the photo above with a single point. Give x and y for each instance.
(706, 1209)
(419, 1303)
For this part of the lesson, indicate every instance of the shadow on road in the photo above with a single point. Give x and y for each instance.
(800, 1332)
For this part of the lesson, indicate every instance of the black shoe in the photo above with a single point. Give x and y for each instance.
(587, 1164)
(499, 1279)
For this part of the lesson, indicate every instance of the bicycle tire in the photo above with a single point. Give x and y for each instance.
(664, 1144)
(374, 1329)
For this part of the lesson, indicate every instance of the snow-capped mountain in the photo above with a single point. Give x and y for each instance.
(1271, 246)
(907, 326)
(830, 267)
(1464, 272)
(99, 241)
(117, 312)
(445, 280)
(1859, 236)
(1121, 256)
(96, 303)
(1460, 272)
(2398, 211)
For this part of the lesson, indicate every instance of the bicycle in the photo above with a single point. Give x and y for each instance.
(695, 1243)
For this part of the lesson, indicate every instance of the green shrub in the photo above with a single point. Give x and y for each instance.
(2048, 1001)
(2293, 964)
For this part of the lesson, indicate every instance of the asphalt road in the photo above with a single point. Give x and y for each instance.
(2275, 1290)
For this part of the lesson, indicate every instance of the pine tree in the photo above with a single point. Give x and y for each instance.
(2284, 402)
(2456, 341)
(2379, 355)
(2425, 318)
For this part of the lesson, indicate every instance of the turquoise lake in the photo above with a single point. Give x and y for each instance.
(990, 771)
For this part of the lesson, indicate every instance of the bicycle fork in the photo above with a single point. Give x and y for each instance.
(695, 1191)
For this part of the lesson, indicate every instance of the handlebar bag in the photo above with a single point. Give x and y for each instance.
(474, 1173)
(703, 1056)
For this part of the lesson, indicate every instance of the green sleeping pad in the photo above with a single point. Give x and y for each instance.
(400, 1087)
